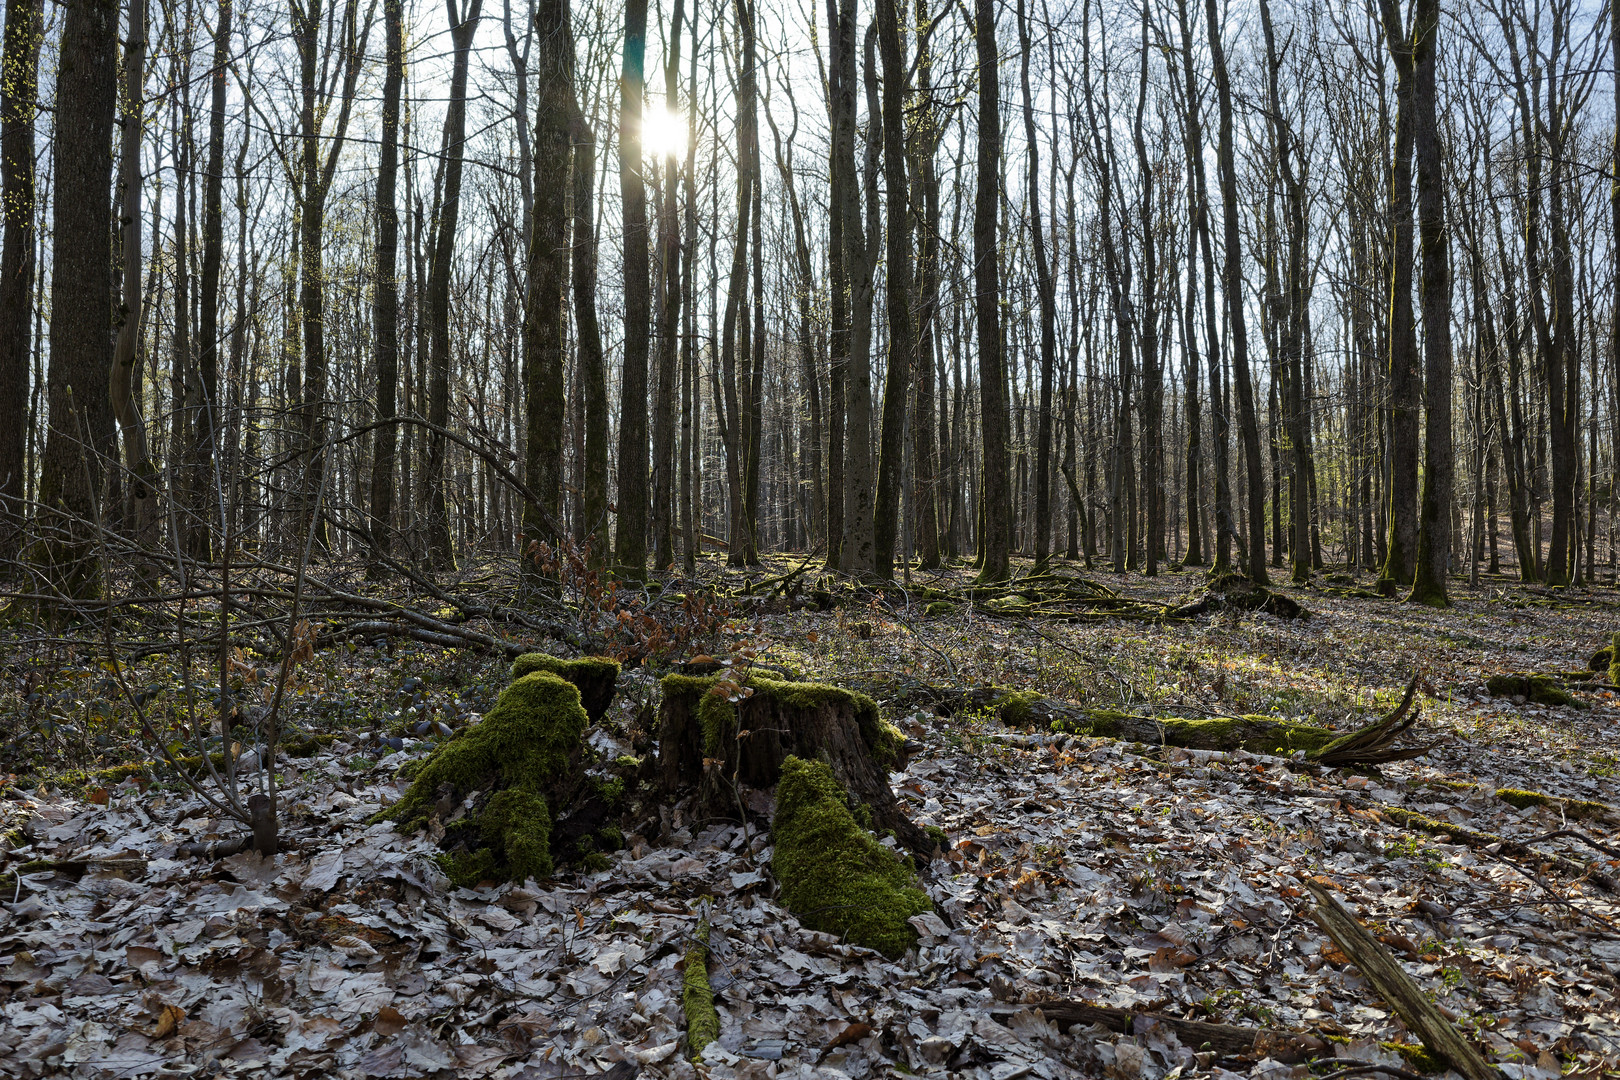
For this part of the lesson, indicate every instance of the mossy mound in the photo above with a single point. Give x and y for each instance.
(1540, 689)
(521, 757)
(594, 676)
(1614, 651)
(941, 609)
(835, 876)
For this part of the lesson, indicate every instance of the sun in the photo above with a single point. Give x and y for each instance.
(663, 132)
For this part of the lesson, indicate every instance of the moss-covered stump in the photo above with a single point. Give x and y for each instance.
(531, 802)
(835, 876)
(1540, 689)
(594, 676)
(716, 733)
(1614, 652)
(1238, 592)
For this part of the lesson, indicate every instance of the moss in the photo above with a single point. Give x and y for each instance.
(940, 609)
(938, 836)
(1541, 689)
(611, 837)
(467, 869)
(1601, 661)
(697, 996)
(525, 744)
(594, 676)
(411, 769)
(1575, 808)
(835, 876)
(1614, 651)
(717, 714)
(1418, 1056)
(1014, 706)
(596, 862)
(595, 667)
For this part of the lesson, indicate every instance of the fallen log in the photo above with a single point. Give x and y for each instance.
(1373, 744)
(1396, 987)
(1226, 1040)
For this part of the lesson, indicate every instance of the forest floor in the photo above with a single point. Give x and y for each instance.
(1079, 868)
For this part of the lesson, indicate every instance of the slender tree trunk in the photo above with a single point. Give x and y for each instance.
(1047, 293)
(902, 333)
(924, 470)
(1232, 282)
(860, 243)
(122, 384)
(19, 90)
(385, 297)
(213, 243)
(544, 346)
(631, 541)
(840, 175)
(669, 273)
(1405, 373)
(995, 543)
(1434, 526)
(463, 27)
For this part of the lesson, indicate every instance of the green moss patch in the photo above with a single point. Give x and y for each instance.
(697, 996)
(594, 676)
(712, 704)
(835, 876)
(521, 751)
(941, 609)
(1614, 652)
(1541, 689)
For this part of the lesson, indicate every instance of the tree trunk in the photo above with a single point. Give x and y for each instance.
(463, 27)
(926, 136)
(1232, 282)
(1404, 372)
(860, 247)
(543, 330)
(385, 297)
(1434, 526)
(80, 436)
(1047, 293)
(631, 547)
(897, 288)
(19, 91)
(213, 236)
(669, 273)
(122, 388)
(995, 542)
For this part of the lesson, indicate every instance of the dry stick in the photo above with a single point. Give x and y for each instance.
(1397, 987)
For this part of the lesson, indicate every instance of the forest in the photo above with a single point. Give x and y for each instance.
(1040, 538)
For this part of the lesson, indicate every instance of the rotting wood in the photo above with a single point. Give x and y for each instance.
(1374, 961)
(1225, 1040)
(1372, 744)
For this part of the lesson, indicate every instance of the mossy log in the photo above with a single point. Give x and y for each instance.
(717, 733)
(1373, 744)
(595, 677)
(1230, 592)
(1532, 686)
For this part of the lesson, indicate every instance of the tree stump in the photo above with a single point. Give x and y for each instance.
(1238, 592)
(595, 677)
(719, 734)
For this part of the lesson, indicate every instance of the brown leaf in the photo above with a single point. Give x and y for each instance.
(1169, 958)
(168, 1021)
(854, 1033)
(99, 796)
(388, 1021)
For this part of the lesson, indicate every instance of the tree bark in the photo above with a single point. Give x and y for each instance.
(1047, 293)
(897, 287)
(543, 330)
(385, 297)
(995, 542)
(1434, 525)
(631, 541)
(208, 414)
(80, 436)
(1232, 285)
(1404, 371)
(19, 91)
